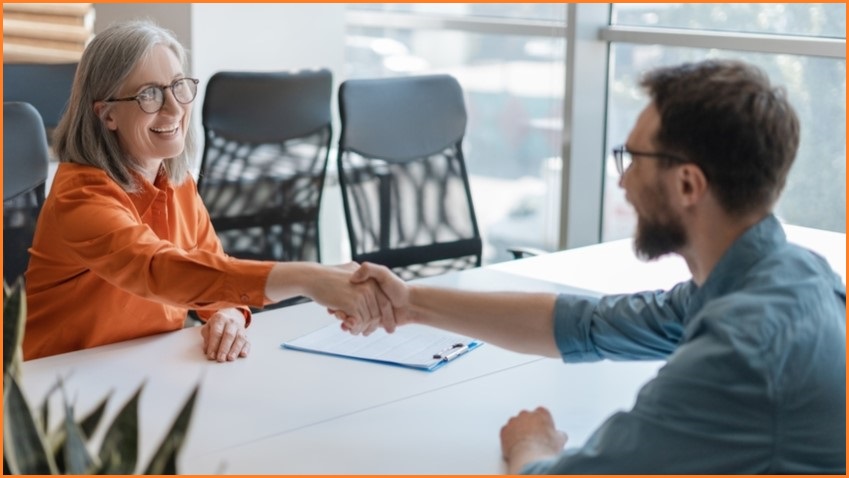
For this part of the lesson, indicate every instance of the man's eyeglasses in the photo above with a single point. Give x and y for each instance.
(152, 98)
(623, 157)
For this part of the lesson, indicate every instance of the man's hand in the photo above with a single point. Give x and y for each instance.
(528, 437)
(224, 336)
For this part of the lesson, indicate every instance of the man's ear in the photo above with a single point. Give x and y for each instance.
(691, 184)
(104, 112)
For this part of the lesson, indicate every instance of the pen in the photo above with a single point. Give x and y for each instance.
(452, 352)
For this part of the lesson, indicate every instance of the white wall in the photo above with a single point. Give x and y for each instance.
(267, 36)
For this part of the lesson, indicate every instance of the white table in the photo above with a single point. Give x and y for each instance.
(271, 393)
(283, 412)
(612, 267)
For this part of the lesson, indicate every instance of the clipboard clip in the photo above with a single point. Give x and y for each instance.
(451, 352)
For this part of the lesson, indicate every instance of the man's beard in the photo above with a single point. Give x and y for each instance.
(661, 234)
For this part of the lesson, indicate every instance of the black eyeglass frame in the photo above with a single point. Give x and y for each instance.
(619, 155)
(135, 98)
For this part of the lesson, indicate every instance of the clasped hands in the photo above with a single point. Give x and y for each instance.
(391, 294)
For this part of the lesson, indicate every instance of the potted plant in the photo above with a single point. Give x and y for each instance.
(29, 447)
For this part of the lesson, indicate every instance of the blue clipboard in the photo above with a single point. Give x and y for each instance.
(411, 346)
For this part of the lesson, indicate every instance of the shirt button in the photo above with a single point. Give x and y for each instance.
(244, 297)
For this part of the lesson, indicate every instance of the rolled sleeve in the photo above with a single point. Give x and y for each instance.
(642, 326)
(573, 316)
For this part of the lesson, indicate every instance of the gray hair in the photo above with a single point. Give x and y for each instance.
(81, 136)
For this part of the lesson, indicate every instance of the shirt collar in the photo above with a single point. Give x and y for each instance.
(757, 242)
(143, 198)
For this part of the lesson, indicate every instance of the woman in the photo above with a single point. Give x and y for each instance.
(124, 246)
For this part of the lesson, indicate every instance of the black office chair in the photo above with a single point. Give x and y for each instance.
(25, 160)
(404, 184)
(265, 154)
(45, 86)
(264, 160)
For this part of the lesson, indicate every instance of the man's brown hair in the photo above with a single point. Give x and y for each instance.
(728, 119)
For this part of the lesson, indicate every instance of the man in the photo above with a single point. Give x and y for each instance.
(754, 342)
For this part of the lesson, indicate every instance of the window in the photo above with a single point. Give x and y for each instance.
(815, 194)
(805, 19)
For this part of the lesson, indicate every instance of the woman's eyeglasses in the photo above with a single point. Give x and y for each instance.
(152, 98)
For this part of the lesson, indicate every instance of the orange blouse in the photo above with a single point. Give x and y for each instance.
(108, 266)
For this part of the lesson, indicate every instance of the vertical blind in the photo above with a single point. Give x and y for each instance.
(46, 32)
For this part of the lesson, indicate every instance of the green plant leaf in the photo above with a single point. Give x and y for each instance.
(44, 413)
(88, 425)
(45, 408)
(14, 317)
(77, 459)
(24, 446)
(120, 448)
(164, 461)
(89, 422)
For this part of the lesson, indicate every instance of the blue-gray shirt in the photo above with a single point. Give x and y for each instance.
(755, 378)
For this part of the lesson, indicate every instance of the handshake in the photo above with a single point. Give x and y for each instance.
(375, 297)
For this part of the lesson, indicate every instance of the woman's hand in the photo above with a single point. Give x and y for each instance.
(224, 336)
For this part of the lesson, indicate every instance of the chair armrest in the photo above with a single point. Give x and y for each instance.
(521, 252)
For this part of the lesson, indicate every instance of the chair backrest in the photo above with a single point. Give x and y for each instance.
(24, 174)
(267, 141)
(404, 183)
(45, 86)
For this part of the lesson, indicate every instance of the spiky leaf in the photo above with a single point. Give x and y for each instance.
(164, 461)
(44, 412)
(89, 422)
(119, 451)
(24, 446)
(77, 459)
(87, 425)
(14, 317)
